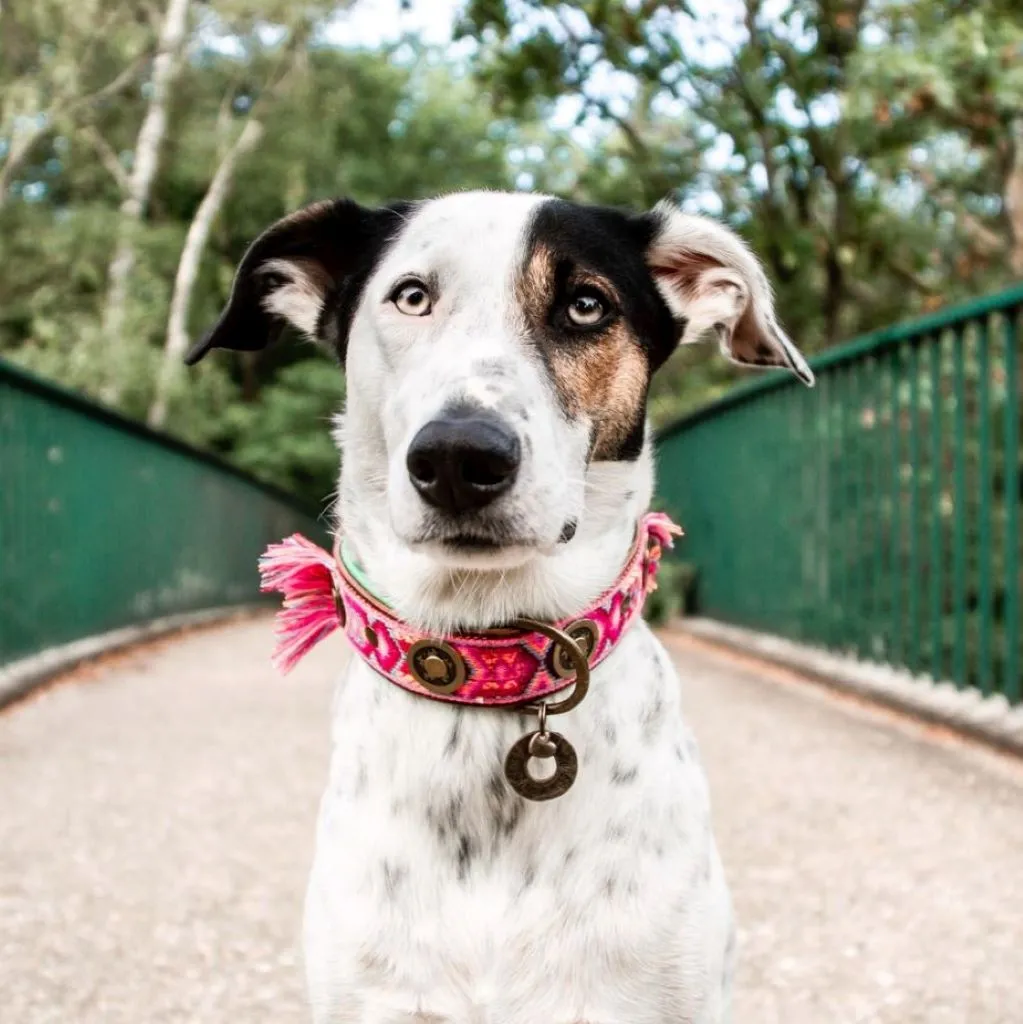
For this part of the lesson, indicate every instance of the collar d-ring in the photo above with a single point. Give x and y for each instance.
(575, 654)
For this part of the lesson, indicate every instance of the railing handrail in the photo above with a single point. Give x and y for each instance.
(75, 400)
(866, 344)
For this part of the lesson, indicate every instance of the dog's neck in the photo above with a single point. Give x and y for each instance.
(552, 585)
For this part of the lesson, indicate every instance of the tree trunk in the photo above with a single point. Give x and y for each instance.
(1013, 190)
(166, 66)
(188, 267)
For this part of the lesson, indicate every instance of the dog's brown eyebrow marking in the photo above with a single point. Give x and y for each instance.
(602, 376)
(606, 380)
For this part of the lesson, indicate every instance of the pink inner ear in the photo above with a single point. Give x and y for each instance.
(684, 272)
(709, 294)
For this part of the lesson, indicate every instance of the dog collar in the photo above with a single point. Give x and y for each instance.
(501, 667)
(519, 665)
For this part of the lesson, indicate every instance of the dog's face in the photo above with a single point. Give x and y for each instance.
(499, 349)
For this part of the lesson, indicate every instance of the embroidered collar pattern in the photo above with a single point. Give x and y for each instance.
(502, 667)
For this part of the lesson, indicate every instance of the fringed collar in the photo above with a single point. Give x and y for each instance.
(501, 667)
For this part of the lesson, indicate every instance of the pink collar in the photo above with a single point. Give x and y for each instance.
(495, 667)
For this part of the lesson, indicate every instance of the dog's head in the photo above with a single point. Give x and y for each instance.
(498, 350)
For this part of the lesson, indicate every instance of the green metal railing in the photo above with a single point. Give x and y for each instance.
(105, 524)
(878, 513)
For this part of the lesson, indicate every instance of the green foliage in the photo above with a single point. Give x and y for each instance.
(871, 153)
(286, 438)
(675, 593)
(867, 152)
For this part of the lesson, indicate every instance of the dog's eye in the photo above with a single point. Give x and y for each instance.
(412, 298)
(587, 309)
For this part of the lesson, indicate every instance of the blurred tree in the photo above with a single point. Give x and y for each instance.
(872, 153)
(58, 63)
(767, 111)
(374, 124)
(144, 166)
(944, 84)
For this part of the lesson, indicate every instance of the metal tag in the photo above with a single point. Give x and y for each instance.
(541, 745)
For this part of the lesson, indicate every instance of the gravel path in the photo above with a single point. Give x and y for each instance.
(157, 815)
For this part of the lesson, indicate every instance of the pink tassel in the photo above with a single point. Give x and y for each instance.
(663, 531)
(305, 574)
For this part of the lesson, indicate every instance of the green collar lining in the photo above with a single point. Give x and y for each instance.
(359, 574)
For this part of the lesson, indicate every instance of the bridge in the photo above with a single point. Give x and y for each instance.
(852, 674)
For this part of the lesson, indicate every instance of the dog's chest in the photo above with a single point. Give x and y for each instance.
(438, 889)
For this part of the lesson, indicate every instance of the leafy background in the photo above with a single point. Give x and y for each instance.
(870, 150)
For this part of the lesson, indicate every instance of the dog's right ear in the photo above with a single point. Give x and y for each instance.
(306, 270)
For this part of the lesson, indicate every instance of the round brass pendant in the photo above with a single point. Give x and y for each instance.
(543, 745)
(584, 632)
(436, 665)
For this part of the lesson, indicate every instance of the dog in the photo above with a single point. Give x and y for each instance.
(518, 333)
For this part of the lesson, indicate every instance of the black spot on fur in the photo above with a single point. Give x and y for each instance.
(622, 776)
(394, 876)
(511, 820)
(610, 731)
(609, 886)
(467, 852)
(456, 729)
(651, 717)
(444, 820)
(496, 786)
(495, 369)
(613, 245)
(505, 806)
(568, 531)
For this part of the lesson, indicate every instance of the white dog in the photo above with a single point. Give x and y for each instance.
(498, 350)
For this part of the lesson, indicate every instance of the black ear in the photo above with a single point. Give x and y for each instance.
(306, 270)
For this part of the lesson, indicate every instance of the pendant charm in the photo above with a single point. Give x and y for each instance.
(541, 745)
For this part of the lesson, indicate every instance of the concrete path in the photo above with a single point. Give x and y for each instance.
(156, 816)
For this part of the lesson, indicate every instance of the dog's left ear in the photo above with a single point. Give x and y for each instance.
(710, 280)
(302, 271)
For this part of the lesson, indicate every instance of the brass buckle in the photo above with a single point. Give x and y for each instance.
(580, 665)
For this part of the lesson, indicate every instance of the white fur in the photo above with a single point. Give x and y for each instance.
(436, 894)
(300, 300)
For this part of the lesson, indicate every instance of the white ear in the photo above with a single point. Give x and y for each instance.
(710, 280)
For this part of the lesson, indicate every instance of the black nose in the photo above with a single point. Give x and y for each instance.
(463, 460)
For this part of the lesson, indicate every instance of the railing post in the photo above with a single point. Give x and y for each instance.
(1013, 612)
(959, 499)
(938, 548)
(985, 603)
(888, 533)
(896, 618)
(914, 582)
